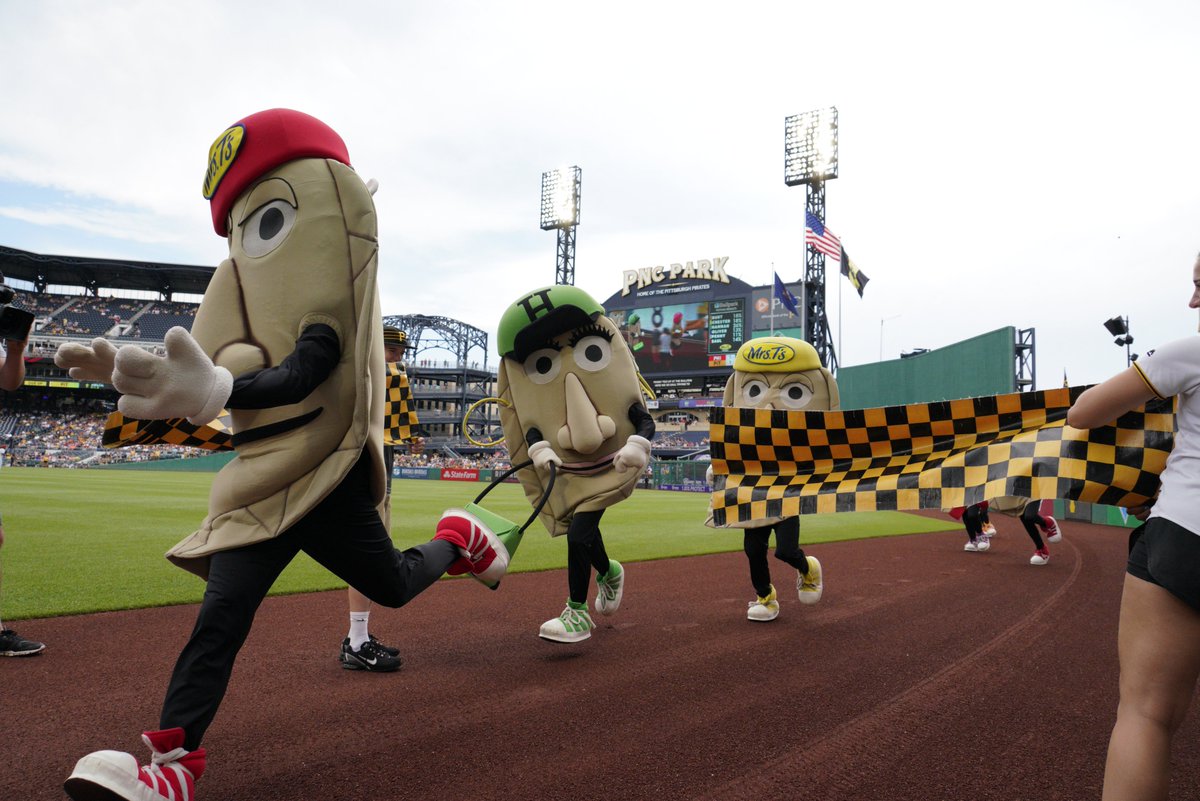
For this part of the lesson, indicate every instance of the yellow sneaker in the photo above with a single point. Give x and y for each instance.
(764, 609)
(810, 585)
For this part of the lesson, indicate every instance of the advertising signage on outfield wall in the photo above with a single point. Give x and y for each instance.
(685, 321)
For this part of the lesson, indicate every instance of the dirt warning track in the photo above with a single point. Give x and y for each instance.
(924, 673)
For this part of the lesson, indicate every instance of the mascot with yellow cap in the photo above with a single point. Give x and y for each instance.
(288, 338)
(780, 373)
(571, 397)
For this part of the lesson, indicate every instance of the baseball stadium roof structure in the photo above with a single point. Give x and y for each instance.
(93, 273)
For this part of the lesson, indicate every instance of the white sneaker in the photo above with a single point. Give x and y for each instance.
(971, 546)
(610, 590)
(1039, 557)
(573, 625)
(983, 543)
(810, 585)
(989, 530)
(1053, 530)
(764, 609)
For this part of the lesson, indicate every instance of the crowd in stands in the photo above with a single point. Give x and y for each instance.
(87, 316)
(62, 438)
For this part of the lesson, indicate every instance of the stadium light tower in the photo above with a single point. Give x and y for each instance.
(1119, 328)
(560, 211)
(810, 157)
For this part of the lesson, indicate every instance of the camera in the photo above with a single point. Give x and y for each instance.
(14, 323)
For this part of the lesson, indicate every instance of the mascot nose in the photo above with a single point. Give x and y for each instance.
(586, 429)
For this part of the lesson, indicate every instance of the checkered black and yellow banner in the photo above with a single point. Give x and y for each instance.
(400, 418)
(931, 456)
(120, 431)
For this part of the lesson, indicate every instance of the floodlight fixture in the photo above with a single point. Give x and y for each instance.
(560, 198)
(1117, 326)
(810, 147)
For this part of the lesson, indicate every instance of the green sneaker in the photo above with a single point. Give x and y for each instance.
(573, 625)
(609, 588)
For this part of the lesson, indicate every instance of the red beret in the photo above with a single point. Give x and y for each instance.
(258, 144)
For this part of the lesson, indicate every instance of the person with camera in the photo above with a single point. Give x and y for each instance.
(14, 330)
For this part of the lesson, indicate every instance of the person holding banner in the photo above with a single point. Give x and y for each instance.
(1158, 636)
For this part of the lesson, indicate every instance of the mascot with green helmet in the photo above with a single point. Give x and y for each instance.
(571, 402)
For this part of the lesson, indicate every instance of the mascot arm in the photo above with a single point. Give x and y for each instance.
(642, 421)
(292, 380)
(182, 383)
(635, 453)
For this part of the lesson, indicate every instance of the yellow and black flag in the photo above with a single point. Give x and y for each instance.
(400, 418)
(931, 456)
(857, 277)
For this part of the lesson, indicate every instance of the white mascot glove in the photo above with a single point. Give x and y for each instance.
(708, 476)
(635, 455)
(543, 455)
(184, 383)
(92, 362)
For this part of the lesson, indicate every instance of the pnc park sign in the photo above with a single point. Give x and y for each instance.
(699, 270)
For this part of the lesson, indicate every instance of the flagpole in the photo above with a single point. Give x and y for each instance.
(839, 348)
(771, 305)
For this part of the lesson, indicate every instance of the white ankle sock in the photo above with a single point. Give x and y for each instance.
(358, 629)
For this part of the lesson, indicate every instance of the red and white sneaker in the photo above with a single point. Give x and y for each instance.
(1040, 557)
(171, 774)
(483, 554)
(1053, 530)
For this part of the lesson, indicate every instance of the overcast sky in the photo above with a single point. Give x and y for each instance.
(1034, 164)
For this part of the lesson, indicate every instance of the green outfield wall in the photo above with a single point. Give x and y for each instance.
(982, 365)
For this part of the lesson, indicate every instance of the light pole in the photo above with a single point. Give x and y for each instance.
(883, 320)
(1119, 328)
(810, 157)
(560, 211)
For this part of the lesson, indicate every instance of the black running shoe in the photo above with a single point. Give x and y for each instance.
(387, 648)
(13, 644)
(370, 657)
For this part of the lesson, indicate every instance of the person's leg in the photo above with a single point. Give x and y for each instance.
(238, 580)
(583, 553)
(360, 616)
(1159, 647)
(787, 544)
(755, 542)
(1030, 519)
(11, 643)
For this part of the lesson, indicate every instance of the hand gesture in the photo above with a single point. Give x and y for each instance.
(184, 383)
(92, 362)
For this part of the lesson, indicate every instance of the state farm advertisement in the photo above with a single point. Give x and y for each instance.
(460, 474)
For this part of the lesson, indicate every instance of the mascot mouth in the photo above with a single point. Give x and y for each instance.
(585, 468)
(274, 429)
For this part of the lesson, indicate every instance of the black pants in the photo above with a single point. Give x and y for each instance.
(343, 533)
(973, 519)
(585, 550)
(787, 549)
(1032, 520)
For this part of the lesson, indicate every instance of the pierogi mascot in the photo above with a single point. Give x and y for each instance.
(571, 396)
(780, 373)
(288, 337)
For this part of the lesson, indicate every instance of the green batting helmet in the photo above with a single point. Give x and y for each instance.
(543, 314)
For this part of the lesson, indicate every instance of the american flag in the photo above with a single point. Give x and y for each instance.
(820, 237)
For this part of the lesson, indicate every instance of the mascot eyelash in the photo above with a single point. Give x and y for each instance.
(589, 331)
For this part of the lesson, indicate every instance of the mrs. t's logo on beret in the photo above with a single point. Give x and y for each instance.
(220, 157)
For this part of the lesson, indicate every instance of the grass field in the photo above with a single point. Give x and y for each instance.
(79, 541)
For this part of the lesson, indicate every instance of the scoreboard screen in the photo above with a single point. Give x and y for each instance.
(726, 326)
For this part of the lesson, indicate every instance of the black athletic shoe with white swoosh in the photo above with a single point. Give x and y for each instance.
(13, 644)
(371, 657)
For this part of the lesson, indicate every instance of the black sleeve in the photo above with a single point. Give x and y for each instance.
(641, 420)
(317, 353)
(533, 437)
